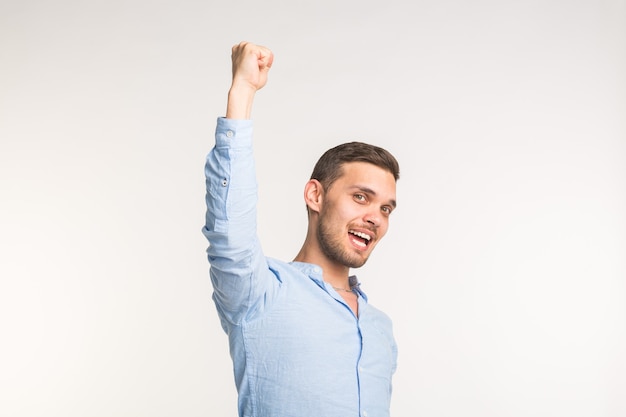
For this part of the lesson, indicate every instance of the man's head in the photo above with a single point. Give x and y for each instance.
(350, 196)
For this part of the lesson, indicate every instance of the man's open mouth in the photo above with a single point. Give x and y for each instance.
(359, 238)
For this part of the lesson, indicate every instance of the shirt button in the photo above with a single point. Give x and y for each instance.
(360, 369)
(365, 414)
(224, 182)
(229, 133)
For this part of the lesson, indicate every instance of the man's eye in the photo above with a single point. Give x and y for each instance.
(359, 197)
(386, 210)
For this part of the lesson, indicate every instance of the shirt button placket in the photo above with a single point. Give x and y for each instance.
(360, 369)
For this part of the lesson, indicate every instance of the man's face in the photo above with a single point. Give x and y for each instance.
(355, 213)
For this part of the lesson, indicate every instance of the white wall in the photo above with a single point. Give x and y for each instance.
(504, 267)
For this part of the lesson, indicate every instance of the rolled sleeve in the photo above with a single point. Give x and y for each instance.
(239, 273)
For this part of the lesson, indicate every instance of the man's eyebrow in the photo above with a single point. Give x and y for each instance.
(369, 191)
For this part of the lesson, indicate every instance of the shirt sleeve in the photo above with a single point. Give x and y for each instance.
(242, 281)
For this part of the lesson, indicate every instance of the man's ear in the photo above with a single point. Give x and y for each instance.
(313, 195)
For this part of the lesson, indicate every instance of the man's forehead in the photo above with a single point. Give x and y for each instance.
(369, 178)
(364, 170)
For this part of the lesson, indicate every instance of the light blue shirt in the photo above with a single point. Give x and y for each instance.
(298, 350)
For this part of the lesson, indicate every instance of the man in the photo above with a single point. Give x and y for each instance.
(303, 339)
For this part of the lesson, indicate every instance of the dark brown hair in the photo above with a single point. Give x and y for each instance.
(330, 165)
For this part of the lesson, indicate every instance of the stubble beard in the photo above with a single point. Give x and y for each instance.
(333, 248)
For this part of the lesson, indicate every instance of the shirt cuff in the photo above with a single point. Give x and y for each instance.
(233, 133)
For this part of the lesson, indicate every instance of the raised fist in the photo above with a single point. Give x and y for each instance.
(251, 64)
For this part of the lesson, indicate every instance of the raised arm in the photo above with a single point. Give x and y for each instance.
(242, 281)
(251, 64)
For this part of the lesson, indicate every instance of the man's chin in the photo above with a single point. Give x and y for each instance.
(357, 263)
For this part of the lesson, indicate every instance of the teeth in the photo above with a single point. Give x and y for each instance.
(361, 244)
(361, 235)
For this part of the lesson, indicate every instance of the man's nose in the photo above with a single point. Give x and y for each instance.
(372, 217)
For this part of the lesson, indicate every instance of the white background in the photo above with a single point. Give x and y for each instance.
(504, 269)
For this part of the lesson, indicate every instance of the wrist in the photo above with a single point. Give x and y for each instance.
(240, 99)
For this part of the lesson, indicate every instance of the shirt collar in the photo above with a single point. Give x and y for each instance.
(314, 272)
